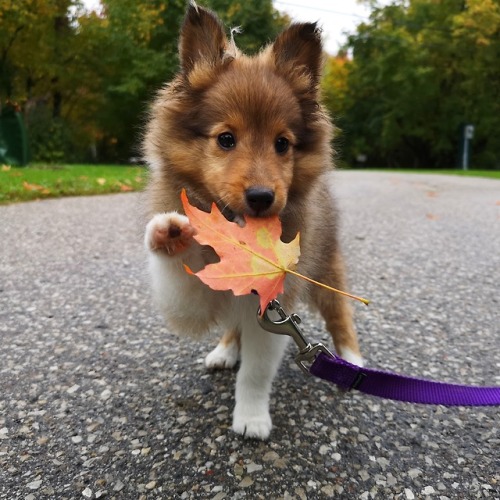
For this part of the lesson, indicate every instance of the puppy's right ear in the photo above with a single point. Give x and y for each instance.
(202, 37)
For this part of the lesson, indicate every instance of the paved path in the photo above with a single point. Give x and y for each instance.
(98, 400)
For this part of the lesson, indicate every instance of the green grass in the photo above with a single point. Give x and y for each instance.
(490, 174)
(49, 181)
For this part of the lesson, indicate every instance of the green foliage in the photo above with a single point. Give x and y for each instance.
(40, 64)
(49, 137)
(420, 70)
(84, 79)
(139, 55)
(259, 20)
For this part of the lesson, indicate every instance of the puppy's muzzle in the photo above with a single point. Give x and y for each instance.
(259, 199)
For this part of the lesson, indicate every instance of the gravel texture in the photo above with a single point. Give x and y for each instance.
(98, 400)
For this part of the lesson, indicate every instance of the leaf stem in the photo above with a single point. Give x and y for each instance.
(314, 282)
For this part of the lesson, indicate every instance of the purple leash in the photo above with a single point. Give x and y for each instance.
(386, 385)
(401, 387)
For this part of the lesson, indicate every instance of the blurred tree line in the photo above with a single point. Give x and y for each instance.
(83, 79)
(417, 72)
(399, 91)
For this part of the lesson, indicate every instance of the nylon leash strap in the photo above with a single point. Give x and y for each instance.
(317, 360)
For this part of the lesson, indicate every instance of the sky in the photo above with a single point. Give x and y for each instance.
(334, 16)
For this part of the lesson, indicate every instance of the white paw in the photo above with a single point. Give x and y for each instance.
(170, 233)
(223, 356)
(257, 426)
(351, 357)
(251, 418)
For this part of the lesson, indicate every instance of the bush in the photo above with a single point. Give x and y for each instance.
(50, 139)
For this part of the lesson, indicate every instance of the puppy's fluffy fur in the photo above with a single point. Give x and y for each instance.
(249, 134)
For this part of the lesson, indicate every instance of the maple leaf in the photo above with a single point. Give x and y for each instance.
(253, 258)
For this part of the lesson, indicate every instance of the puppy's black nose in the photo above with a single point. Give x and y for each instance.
(259, 198)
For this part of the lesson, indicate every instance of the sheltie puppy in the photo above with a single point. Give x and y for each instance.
(249, 134)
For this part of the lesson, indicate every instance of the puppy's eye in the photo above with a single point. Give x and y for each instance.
(226, 140)
(281, 145)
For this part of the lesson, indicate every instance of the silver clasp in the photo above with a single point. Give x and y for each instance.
(289, 325)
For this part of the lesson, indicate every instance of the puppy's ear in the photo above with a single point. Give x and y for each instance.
(300, 46)
(202, 37)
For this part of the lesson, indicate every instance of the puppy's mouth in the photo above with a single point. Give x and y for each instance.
(257, 201)
(232, 216)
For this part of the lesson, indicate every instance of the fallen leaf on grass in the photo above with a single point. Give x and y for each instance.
(124, 187)
(253, 259)
(5, 168)
(35, 187)
(101, 181)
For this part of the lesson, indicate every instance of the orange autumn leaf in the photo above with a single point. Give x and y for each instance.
(35, 187)
(252, 258)
(125, 188)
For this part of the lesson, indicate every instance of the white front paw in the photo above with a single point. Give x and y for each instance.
(223, 356)
(252, 424)
(169, 233)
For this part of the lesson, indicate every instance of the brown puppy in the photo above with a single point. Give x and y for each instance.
(249, 134)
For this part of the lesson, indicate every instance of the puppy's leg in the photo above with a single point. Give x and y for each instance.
(227, 352)
(337, 312)
(188, 306)
(261, 354)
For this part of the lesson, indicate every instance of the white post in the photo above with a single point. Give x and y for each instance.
(468, 134)
(465, 156)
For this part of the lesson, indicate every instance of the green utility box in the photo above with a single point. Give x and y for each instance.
(13, 139)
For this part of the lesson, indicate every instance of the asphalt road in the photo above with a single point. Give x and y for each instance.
(98, 400)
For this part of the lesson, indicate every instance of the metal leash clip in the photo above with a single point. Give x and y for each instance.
(289, 325)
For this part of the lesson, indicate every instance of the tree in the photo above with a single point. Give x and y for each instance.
(35, 34)
(84, 78)
(419, 70)
(334, 82)
(140, 53)
(259, 20)
(38, 52)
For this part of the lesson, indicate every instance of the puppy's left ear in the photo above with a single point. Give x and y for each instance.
(300, 46)
(202, 37)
